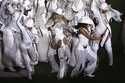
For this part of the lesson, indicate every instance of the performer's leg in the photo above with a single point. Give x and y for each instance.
(51, 58)
(91, 66)
(73, 59)
(27, 61)
(67, 54)
(80, 62)
(62, 59)
(108, 47)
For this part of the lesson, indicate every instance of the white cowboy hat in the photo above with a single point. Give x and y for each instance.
(29, 23)
(104, 6)
(86, 20)
(59, 11)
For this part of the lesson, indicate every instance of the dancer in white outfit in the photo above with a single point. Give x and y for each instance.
(86, 58)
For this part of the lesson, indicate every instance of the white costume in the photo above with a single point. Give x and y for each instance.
(39, 30)
(84, 53)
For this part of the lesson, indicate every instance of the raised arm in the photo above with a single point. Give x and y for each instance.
(19, 19)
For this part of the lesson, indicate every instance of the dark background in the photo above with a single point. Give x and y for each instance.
(104, 72)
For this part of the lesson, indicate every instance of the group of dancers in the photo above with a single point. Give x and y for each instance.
(62, 33)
